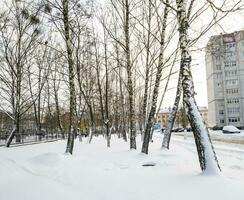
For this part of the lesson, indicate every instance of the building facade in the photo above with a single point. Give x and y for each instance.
(181, 118)
(225, 79)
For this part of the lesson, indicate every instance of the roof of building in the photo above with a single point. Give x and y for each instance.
(226, 37)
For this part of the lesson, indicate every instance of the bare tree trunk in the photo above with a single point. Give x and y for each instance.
(13, 99)
(56, 98)
(206, 154)
(71, 135)
(129, 79)
(145, 96)
(11, 136)
(39, 104)
(17, 36)
(92, 125)
(106, 107)
(172, 116)
(149, 124)
(122, 115)
(106, 116)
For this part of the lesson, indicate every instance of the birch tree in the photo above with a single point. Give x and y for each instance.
(206, 154)
(172, 116)
(18, 37)
(129, 76)
(65, 17)
(160, 66)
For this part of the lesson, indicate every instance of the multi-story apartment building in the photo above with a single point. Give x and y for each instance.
(163, 115)
(225, 79)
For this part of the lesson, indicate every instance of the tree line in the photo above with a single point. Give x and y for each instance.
(107, 65)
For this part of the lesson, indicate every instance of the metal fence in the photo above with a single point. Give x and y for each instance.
(28, 136)
(31, 136)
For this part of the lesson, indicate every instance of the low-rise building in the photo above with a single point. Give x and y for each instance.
(181, 118)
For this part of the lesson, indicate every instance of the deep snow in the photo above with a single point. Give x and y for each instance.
(95, 172)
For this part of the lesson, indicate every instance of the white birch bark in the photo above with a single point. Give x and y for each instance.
(172, 116)
(129, 79)
(71, 135)
(206, 154)
(147, 134)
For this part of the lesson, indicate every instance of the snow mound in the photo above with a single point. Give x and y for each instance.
(230, 129)
(47, 159)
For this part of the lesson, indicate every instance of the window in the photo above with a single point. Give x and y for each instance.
(232, 91)
(231, 73)
(218, 58)
(230, 45)
(218, 67)
(220, 84)
(230, 64)
(233, 110)
(221, 112)
(234, 119)
(233, 101)
(229, 55)
(221, 103)
(222, 121)
(219, 74)
(232, 82)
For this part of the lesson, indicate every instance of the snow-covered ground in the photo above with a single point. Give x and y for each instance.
(94, 172)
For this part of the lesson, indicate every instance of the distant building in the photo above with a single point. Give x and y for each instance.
(163, 116)
(7, 123)
(5, 120)
(225, 79)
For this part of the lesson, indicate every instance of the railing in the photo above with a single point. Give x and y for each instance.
(31, 136)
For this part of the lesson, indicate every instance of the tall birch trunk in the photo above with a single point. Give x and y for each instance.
(121, 94)
(106, 121)
(150, 122)
(172, 116)
(56, 98)
(71, 135)
(122, 118)
(17, 84)
(145, 96)
(206, 154)
(129, 81)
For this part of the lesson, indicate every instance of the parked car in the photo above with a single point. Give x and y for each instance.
(189, 129)
(230, 129)
(156, 126)
(162, 129)
(178, 130)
